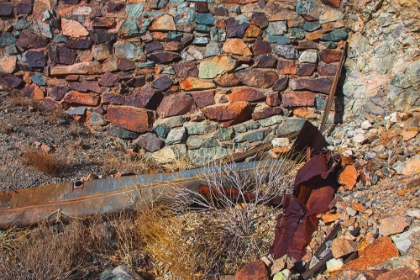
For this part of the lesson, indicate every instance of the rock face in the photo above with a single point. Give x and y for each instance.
(255, 270)
(175, 104)
(257, 78)
(233, 113)
(211, 67)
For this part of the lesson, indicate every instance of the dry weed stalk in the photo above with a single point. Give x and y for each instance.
(228, 232)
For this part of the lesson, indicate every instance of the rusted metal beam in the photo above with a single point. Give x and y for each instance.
(25, 207)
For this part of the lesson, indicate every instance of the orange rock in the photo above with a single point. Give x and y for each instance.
(358, 207)
(7, 64)
(330, 55)
(305, 113)
(402, 192)
(160, 36)
(236, 46)
(314, 35)
(378, 252)
(393, 225)
(341, 247)
(348, 177)
(403, 273)
(238, 112)
(192, 83)
(253, 31)
(279, 150)
(163, 23)
(301, 98)
(328, 218)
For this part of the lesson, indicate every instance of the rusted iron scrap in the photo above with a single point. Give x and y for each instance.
(314, 189)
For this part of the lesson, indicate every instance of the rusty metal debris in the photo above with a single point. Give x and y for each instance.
(314, 189)
(25, 207)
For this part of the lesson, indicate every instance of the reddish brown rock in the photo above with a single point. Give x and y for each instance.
(294, 99)
(62, 55)
(227, 80)
(86, 86)
(153, 46)
(330, 55)
(34, 91)
(257, 78)
(376, 253)
(192, 83)
(403, 273)
(255, 270)
(286, 67)
(173, 46)
(148, 98)
(272, 99)
(236, 46)
(108, 79)
(150, 142)
(130, 118)
(348, 177)
(58, 92)
(281, 84)
(246, 94)
(259, 19)
(163, 57)
(175, 104)
(265, 61)
(115, 99)
(306, 69)
(9, 80)
(185, 69)
(201, 7)
(36, 59)
(79, 98)
(307, 45)
(230, 114)
(125, 64)
(327, 70)
(332, 3)
(31, 41)
(137, 81)
(103, 23)
(203, 98)
(100, 36)
(261, 47)
(267, 112)
(79, 44)
(322, 85)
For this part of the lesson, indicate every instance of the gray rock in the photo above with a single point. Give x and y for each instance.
(161, 130)
(128, 50)
(287, 52)
(176, 136)
(225, 134)
(134, 10)
(209, 143)
(290, 125)
(129, 29)
(194, 142)
(96, 120)
(402, 240)
(76, 111)
(271, 121)
(171, 122)
(122, 133)
(203, 156)
(200, 128)
(39, 79)
(213, 49)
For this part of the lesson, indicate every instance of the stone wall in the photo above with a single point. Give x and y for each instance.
(383, 64)
(197, 78)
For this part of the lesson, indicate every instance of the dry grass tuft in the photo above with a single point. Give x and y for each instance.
(228, 232)
(43, 161)
(42, 254)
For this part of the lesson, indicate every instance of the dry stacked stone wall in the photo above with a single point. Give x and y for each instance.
(197, 78)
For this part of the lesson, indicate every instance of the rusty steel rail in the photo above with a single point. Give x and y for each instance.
(24, 207)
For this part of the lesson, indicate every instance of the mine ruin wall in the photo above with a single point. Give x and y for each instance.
(202, 79)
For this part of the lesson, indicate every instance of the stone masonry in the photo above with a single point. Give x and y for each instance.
(196, 78)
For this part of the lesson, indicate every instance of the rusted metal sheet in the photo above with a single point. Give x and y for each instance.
(314, 189)
(24, 207)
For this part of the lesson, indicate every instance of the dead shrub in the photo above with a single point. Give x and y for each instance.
(227, 231)
(43, 161)
(44, 254)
